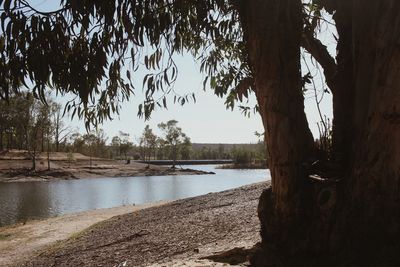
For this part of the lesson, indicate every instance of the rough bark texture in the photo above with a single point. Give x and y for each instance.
(274, 53)
(330, 220)
(343, 95)
(373, 189)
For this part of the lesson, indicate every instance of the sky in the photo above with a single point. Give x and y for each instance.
(207, 120)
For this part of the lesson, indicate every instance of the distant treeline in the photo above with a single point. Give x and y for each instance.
(240, 153)
(28, 124)
(176, 145)
(228, 151)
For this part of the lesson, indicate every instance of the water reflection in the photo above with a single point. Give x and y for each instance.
(22, 201)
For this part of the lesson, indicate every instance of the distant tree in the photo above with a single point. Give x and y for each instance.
(173, 137)
(186, 148)
(125, 145)
(37, 128)
(207, 153)
(161, 148)
(29, 124)
(77, 143)
(115, 145)
(221, 151)
(89, 140)
(61, 131)
(100, 143)
(261, 146)
(16, 117)
(92, 144)
(5, 123)
(148, 143)
(242, 156)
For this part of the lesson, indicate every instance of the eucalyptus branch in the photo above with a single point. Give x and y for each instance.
(316, 96)
(321, 54)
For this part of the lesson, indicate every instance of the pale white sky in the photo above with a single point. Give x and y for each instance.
(207, 120)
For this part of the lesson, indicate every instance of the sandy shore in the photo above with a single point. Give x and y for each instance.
(216, 229)
(18, 243)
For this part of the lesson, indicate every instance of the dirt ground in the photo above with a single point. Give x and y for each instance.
(15, 167)
(211, 230)
(18, 243)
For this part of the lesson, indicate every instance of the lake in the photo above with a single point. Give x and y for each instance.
(34, 200)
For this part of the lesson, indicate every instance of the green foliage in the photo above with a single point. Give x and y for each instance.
(174, 139)
(91, 144)
(238, 152)
(147, 143)
(24, 122)
(92, 48)
(125, 145)
(186, 149)
(242, 156)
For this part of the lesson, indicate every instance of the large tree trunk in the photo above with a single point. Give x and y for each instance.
(57, 131)
(294, 218)
(1, 138)
(308, 219)
(274, 53)
(370, 211)
(342, 88)
(10, 140)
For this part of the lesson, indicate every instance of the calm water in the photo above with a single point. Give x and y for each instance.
(21, 201)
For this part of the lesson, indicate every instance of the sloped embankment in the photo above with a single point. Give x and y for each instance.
(184, 230)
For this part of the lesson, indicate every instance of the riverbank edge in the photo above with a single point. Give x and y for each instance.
(219, 208)
(244, 166)
(21, 241)
(186, 231)
(26, 175)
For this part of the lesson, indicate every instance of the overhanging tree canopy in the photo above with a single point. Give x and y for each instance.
(91, 49)
(84, 47)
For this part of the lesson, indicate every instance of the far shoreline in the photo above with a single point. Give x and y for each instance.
(244, 166)
(18, 169)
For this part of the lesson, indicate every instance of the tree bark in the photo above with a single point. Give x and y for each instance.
(48, 150)
(343, 92)
(371, 206)
(1, 138)
(274, 53)
(364, 208)
(58, 130)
